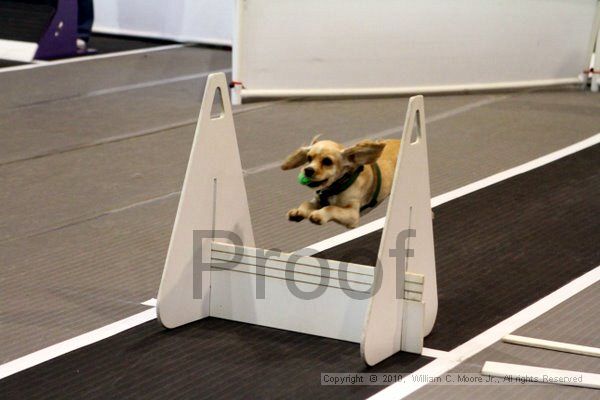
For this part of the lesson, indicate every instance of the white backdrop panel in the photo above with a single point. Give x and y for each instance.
(287, 47)
(205, 21)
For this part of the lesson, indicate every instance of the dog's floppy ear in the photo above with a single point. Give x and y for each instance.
(365, 152)
(315, 139)
(296, 159)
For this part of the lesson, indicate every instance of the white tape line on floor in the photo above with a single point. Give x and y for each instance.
(40, 356)
(148, 84)
(468, 349)
(92, 57)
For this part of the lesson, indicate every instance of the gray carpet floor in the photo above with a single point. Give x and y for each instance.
(575, 321)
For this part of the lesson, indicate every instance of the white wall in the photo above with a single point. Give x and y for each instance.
(205, 21)
(321, 47)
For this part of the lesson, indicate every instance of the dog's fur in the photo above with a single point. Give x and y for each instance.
(343, 208)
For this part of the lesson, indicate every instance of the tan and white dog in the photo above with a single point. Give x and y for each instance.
(347, 180)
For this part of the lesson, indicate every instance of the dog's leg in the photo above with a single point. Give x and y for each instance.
(298, 214)
(347, 216)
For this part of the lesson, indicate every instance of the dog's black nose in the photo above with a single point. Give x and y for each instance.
(309, 171)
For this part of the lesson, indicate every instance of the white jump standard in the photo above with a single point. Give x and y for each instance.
(213, 269)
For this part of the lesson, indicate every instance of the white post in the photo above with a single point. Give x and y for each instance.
(596, 65)
(213, 199)
(236, 53)
(594, 51)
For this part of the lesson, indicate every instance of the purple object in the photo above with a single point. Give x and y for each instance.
(60, 38)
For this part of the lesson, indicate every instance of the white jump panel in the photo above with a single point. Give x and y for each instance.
(302, 294)
(357, 47)
(333, 313)
(288, 266)
(284, 291)
(15, 50)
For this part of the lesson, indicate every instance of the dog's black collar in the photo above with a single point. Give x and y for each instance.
(313, 184)
(377, 174)
(338, 186)
(345, 182)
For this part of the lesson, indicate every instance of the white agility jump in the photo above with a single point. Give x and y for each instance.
(213, 269)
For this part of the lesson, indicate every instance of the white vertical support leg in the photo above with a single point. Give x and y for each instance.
(406, 246)
(213, 201)
(236, 94)
(596, 65)
(594, 51)
(236, 53)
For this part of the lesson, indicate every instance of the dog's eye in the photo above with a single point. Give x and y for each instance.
(309, 159)
(327, 161)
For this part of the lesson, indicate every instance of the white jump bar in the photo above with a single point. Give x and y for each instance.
(542, 375)
(551, 345)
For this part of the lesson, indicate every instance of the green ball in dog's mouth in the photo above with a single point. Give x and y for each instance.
(303, 179)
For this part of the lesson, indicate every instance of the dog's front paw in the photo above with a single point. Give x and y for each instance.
(295, 215)
(352, 225)
(317, 217)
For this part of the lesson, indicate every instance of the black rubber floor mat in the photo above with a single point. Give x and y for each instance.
(10, 63)
(25, 20)
(498, 250)
(502, 248)
(211, 358)
(114, 43)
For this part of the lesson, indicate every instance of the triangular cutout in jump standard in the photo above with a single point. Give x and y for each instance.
(415, 135)
(217, 109)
